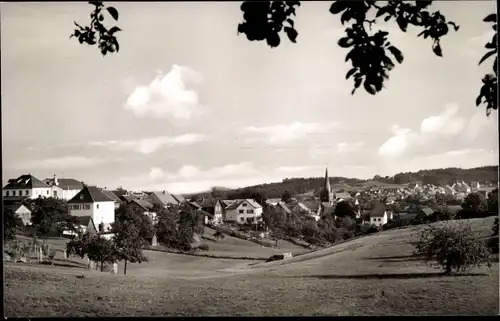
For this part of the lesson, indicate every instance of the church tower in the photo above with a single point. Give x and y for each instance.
(326, 195)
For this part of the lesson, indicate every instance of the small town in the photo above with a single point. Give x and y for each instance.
(250, 158)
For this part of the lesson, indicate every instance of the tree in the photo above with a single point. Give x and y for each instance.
(51, 215)
(128, 243)
(265, 20)
(219, 235)
(166, 229)
(453, 246)
(11, 223)
(344, 209)
(144, 224)
(493, 242)
(475, 202)
(286, 197)
(493, 201)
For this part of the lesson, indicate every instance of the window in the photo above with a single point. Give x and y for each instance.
(13, 193)
(55, 194)
(26, 192)
(7, 193)
(48, 192)
(242, 211)
(244, 204)
(97, 206)
(249, 211)
(242, 219)
(87, 206)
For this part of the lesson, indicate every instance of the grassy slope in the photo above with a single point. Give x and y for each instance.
(374, 275)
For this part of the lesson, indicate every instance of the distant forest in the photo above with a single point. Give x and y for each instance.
(313, 185)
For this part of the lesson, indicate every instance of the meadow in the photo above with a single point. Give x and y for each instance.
(372, 275)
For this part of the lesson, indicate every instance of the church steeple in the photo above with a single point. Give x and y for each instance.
(326, 192)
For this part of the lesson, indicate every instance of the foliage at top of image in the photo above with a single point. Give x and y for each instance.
(453, 246)
(370, 53)
(96, 32)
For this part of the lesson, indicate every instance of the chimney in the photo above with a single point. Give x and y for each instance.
(163, 192)
(56, 182)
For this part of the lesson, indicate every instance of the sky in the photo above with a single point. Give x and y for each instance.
(188, 104)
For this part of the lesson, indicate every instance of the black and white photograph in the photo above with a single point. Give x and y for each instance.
(249, 158)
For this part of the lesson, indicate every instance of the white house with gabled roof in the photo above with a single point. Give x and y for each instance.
(90, 201)
(244, 211)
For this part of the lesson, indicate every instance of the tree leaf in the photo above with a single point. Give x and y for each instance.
(382, 11)
(486, 56)
(369, 88)
(337, 7)
(292, 34)
(113, 30)
(290, 22)
(350, 73)
(479, 99)
(402, 23)
(437, 49)
(491, 18)
(345, 42)
(396, 53)
(273, 40)
(357, 83)
(113, 12)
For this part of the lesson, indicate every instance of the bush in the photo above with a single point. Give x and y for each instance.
(454, 247)
(493, 242)
(276, 257)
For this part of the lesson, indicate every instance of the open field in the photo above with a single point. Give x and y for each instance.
(373, 275)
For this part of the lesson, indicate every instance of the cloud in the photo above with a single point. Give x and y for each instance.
(189, 178)
(150, 145)
(62, 162)
(346, 148)
(168, 96)
(440, 128)
(285, 133)
(475, 45)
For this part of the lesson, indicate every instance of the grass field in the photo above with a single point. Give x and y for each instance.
(373, 275)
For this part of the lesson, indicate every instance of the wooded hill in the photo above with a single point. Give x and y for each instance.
(312, 185)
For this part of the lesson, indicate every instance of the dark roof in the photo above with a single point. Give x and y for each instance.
(14, 207)
(120, 192)
(83, 220)
(112, 196)
(127, 198)
(13, 199)
(65, 183)
(144, 204)
(25, 182)
(162, 198)
(179, 198)
(427, 211)
(377, 209)
(284, 207)
(90, 194)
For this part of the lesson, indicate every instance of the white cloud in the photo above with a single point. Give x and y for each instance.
(150, 145)
(440, 128)
(285, 133)
(345, 147)
(168, 96)
(189, 178)
(65, 162)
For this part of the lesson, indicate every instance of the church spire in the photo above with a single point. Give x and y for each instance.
(327, 182)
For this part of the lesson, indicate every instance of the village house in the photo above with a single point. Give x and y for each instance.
(63, 188)
(179, 198)
(215, 210)
(85, 225)
(90, 201)
(424, 213)
(145, 207)
(244, 211)
(113, 196)
(21, 211)
(26, 186)
(378, 214)
(163, 199)
(284, 210)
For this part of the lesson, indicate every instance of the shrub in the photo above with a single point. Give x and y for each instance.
(493, 242)
(275, 257)
(453, 246)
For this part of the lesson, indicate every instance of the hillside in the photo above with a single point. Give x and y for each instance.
(314, 184)
(372, 275)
